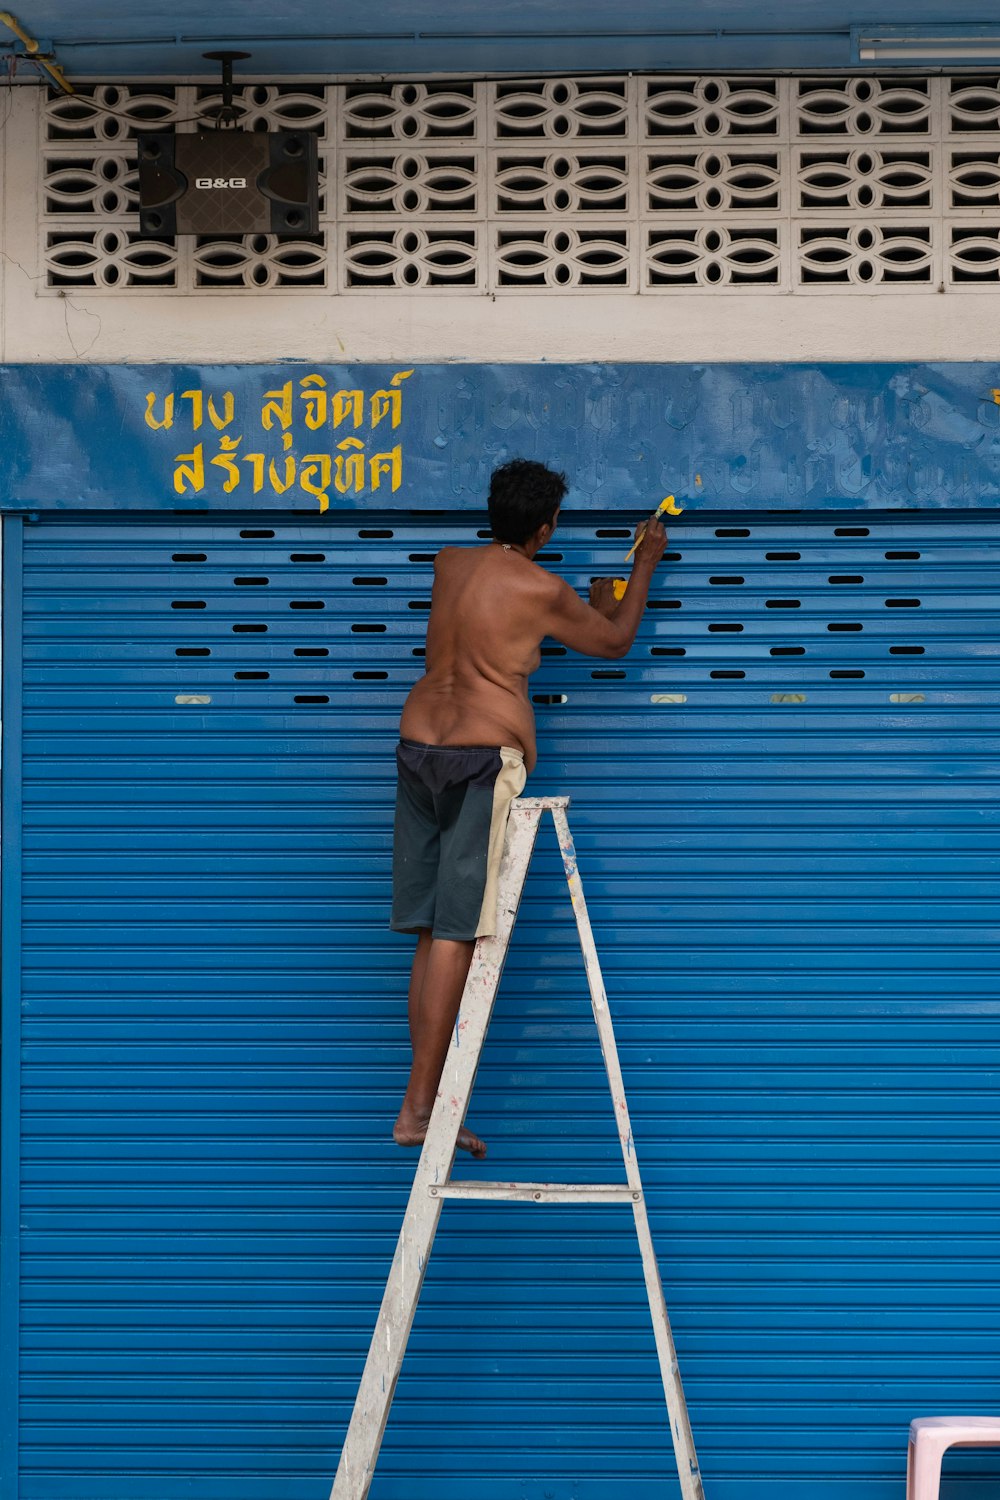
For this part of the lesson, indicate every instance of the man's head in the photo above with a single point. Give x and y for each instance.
(524, 497)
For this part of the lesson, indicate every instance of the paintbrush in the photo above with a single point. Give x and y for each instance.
(670, 506)
(672, 509)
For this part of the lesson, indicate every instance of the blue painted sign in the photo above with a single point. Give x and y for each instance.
(319, 438)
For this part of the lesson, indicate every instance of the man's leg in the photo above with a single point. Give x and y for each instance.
(417, 983)
(440, 969)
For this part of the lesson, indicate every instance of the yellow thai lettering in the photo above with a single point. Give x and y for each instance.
(228, 411)
(168, 411)
(224, 460)
(390, 463)
(256, 461)
(197, 401)
(314, 477)
(349, 466)
(281, 484)
(389, 402)
(277, 407)
(346, 404)
(314, 395)
(189, 469)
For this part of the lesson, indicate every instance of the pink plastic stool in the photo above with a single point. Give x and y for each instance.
(930, 1437)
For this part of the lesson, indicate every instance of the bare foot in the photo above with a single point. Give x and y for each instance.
(410, 1130)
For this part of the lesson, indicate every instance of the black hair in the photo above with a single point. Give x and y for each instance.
(524, 495)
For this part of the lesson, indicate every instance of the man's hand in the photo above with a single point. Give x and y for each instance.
(602, 597)
(653, 544)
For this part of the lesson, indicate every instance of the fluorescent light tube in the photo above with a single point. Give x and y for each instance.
(957, 45)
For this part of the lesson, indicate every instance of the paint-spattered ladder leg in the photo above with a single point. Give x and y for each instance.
(423, 1210)
(680, 1426)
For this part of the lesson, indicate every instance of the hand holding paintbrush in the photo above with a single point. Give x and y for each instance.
(670, 506)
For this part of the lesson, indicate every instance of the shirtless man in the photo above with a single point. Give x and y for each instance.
(468, 741)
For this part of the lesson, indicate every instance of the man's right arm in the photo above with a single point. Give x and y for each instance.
(585, 629)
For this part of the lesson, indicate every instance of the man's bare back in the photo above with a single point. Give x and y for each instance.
(491, 607)
(482, 645)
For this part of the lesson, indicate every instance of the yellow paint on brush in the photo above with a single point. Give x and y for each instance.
(669, 504)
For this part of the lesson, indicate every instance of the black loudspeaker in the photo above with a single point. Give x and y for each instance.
(228, 182)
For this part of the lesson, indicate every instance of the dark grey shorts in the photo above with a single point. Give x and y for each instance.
(452, 803)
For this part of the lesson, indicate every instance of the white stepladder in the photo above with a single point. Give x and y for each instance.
(432, 1182)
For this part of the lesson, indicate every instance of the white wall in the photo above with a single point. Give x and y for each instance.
(40, 324)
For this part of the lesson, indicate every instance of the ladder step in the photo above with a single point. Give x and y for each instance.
(540, 1192)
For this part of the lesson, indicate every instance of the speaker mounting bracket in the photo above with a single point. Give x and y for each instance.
(227, 113)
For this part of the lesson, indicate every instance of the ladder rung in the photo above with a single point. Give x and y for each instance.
(540, 1192)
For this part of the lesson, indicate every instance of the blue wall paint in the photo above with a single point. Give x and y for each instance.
(107, 39)
(719, 436)
(795, 906)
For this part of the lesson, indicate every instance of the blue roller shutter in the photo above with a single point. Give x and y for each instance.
(786, 806)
